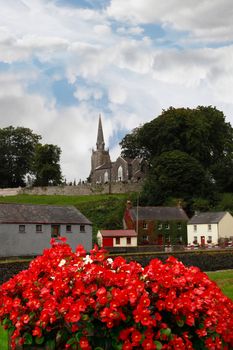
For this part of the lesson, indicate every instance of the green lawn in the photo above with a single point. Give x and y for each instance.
(3, 339)
(224, 280)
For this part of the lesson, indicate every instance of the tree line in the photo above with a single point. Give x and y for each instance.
(189, 154)
(23, 158)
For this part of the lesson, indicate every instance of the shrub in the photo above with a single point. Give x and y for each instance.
(70, 300)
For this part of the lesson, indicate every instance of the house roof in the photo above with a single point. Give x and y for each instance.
(41, 214)
(207, 218)
(118, 233)
(158, 213)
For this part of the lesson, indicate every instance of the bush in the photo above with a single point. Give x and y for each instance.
(70, 300)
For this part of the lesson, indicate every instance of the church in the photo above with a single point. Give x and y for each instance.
(103, 170)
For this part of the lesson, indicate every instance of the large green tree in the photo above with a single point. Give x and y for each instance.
(202, 133)
(46, 165)
(17, 147)
(175, 174)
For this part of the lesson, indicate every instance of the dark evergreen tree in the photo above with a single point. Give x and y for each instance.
(46, 165)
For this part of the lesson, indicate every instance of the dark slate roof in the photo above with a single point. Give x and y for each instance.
(41, 214)
(207, 218)
(118, 233)
(158, 213)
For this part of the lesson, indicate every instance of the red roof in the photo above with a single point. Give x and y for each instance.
(118, 233)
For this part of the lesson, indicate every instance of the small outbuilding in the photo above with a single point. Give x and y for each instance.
(117, 238)
(27, 229)
(210, 228)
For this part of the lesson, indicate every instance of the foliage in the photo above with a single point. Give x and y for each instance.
(46, 165)
(21, 154)
(202, 133)
(176, 174)
(67, 300)
(17, 146)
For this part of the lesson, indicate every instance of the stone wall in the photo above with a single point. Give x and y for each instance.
(82, 189)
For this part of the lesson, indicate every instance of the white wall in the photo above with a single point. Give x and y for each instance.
(202, 230)
(123, 242)
(14, 243)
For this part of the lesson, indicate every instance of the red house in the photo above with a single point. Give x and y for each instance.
(117, 238)
(157, 225)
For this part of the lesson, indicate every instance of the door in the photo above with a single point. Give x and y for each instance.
(55, 230)
(107, 242)
(202, 240)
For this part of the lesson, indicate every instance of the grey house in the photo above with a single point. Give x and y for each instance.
(27, 229)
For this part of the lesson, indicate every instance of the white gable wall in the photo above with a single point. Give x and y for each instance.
(226, 226)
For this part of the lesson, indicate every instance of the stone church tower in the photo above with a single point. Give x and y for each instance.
(100, 158)
(122, 170)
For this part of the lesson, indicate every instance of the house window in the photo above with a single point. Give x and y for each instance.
(209, 240)
(82, 228)
(179, 239)
(117, 240)
(179, 226)
(194, 227)
(167, 226)
(22, 228)
(195, 240)
(160, 226)
(68, 228)
(209, 227)
(38, 228)
(145, 238)
(144, 225)
(128, 240)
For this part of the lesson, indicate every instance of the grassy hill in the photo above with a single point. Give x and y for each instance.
(104, 211)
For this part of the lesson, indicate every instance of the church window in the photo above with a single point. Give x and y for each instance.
(106, 176)
(120, 173)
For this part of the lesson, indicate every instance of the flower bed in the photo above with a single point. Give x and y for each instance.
(70, 300)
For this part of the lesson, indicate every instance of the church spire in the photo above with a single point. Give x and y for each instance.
(100, 136)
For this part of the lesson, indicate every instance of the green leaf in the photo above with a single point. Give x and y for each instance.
(158, 345)
(166, 331)
(180, 323)
(99, 348)
(50, 344)
(71, 341)
(78, 336)
(39, 340)
(28, 338)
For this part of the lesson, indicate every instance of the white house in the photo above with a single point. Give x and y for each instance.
(26, 229)
(117, 238)
(209, 227)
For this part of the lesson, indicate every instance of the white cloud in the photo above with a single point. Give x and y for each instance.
(111, 63)
(206, 20)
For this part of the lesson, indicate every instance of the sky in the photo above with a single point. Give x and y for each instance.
(64, 62)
